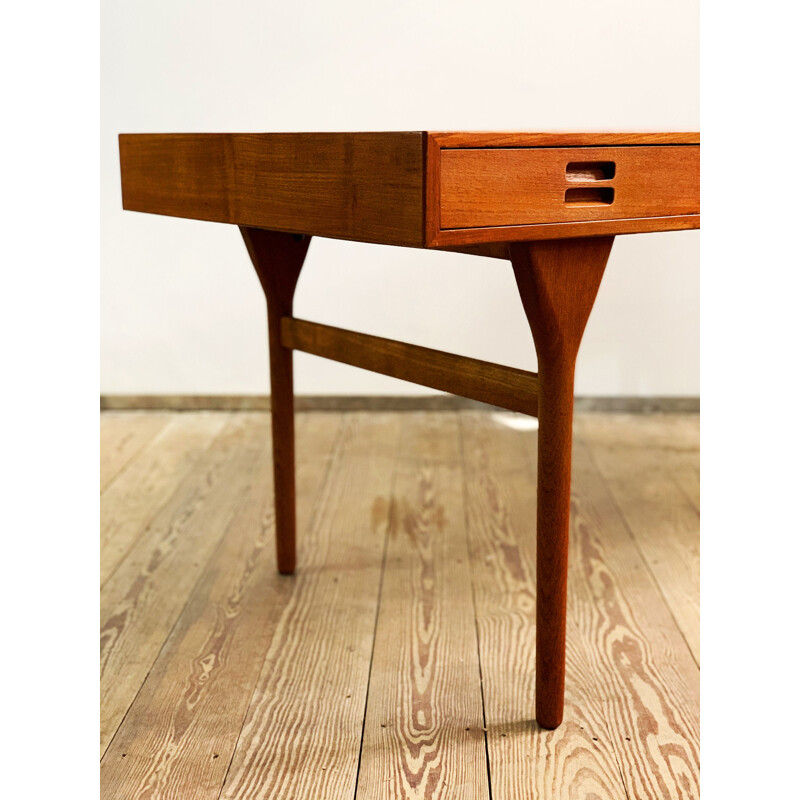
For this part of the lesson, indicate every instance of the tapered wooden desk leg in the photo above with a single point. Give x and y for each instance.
(278, 259)
(558, 283)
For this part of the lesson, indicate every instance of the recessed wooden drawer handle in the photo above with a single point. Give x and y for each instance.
(586, 171)
(589, 196)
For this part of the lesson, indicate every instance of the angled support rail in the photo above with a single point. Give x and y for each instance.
(506, 387)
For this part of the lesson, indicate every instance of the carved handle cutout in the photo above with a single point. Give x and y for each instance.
(589, 196)
(586, 171)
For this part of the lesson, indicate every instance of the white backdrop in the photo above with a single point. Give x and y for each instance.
(182, 311)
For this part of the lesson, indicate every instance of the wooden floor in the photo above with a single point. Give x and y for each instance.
(399, 661)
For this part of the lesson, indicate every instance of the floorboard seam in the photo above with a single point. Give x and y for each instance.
(133, 701)
(389, 523)
(474, 600)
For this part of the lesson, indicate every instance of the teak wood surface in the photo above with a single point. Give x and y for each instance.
(551, 203)
(417, 189)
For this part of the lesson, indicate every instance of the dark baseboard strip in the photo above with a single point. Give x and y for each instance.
(437, 402)
(638, 405)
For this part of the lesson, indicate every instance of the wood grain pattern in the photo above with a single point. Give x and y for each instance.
(643, 669)
(278, 259)
(178, 738)
(577, 760)
(558, 283)
(673, 441)
(527, 186)
(361, 186)
(423, 731)
(122, 437)
(145, 595)
(661, 518)
(134, 499)
(302, 734)
(633, 688)
(507, 387)
(631, 719)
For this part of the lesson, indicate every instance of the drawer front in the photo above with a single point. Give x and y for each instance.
(491, 187)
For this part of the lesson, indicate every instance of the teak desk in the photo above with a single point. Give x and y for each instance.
(551, 203)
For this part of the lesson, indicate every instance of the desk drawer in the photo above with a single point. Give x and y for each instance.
(492, 187)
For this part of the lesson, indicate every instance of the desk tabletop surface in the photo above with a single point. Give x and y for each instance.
(420, 189)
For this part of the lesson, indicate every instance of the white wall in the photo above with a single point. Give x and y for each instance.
(182, 311)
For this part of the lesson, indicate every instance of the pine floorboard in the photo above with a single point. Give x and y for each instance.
(179, 735)
(122, 437)
(132, 500)
(423, 731)
(398, 662)
(645, 464)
